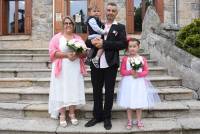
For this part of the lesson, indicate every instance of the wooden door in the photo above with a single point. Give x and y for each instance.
(76, 9)
(159, 5)
(58, 14)
(100, 5)
(129, 16)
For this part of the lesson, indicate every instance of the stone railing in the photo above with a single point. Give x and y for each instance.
(159, 40)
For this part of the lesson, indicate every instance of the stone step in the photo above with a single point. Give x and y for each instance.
(24, 64)
(38, 73)
(27, 64)
(31, 57)
(39, 109)
(24, 51)
(36, 51)
(41, 57)
(42, 94)
(158, 81)
(190, 125)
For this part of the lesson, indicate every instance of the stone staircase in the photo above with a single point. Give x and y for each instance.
(24, 87)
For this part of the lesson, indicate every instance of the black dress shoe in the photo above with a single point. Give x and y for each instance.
(107, 124)
(92, 122)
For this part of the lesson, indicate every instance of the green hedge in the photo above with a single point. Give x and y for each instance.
(188, 38)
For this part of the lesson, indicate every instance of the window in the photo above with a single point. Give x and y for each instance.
(15, 16)
(78, 10)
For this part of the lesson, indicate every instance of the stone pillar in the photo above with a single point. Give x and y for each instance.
(42, 21)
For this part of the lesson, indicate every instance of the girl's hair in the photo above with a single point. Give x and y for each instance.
(132, 40)
(129, 39)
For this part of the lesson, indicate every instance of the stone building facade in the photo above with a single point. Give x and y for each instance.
(187, 10)
(43, 16)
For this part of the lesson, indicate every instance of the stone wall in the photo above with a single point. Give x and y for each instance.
(42, 19)
(158, 40)
(42, 28)
(187, 10)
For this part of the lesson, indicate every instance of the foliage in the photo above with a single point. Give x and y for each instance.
(188, 38)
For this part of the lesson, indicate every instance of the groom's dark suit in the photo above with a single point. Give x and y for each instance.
(115, 41)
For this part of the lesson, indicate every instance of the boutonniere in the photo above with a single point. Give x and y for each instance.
(115, 32)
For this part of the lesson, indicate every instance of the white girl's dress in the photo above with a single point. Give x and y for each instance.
(136, 93)
(68, 88)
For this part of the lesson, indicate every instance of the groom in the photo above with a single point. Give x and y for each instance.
(105, 76)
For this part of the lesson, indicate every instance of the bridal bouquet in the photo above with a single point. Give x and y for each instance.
(136, 63)
(76, 46)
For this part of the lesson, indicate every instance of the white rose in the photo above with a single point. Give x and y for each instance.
(84, 47)
(78, 44)
(137, 61)
(71, 42)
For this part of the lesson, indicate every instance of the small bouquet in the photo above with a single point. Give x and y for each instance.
(136, 63)
(76, 46)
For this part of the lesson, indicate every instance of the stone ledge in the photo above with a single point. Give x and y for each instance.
(15, 37)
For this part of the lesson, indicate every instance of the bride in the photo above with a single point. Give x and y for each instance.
(67, 83)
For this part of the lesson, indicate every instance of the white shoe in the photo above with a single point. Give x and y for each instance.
(73, 119)
(63, 122)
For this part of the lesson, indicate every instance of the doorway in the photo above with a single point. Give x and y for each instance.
(78, 9)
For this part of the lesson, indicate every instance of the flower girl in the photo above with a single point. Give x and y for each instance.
(135, 91)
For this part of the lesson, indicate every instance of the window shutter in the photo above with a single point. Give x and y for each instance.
(28, 16)
(59, 13)
(129, 16)
(1, 17)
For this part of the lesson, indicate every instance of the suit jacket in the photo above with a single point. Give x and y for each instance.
(116, 40)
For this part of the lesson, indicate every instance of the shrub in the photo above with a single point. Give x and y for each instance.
(188, 38)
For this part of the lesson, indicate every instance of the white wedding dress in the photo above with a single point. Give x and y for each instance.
(67, 88)
(136, 93)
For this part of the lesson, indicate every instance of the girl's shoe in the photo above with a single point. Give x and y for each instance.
(63, 122)
(140, 124)
(129, 124)
(73, 119)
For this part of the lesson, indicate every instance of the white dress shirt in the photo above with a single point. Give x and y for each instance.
(103, 62)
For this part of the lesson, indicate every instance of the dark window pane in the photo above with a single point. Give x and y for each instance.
(11, 16)
(138, 15)
(21, 16)
(78, 9)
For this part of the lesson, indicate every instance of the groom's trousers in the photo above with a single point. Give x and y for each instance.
(103, 77)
